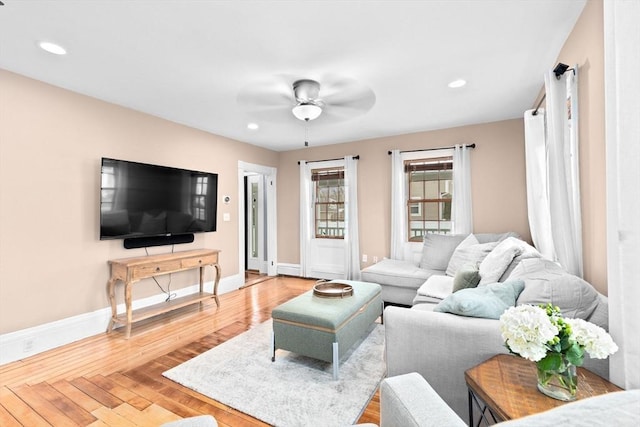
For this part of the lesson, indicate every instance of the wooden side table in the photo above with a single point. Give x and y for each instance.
(507, 385)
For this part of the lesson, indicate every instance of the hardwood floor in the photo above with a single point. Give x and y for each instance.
(106, 380)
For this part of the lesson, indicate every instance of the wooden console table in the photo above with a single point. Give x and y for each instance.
(131, 270)
(507, 385)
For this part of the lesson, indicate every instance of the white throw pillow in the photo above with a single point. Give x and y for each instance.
(470, 240)
(498, 260)
(473, 254)
(437, 286)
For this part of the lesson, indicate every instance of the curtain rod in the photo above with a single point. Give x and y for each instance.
(433, 149)
(558, 71)
(535, 112)
(357, 157)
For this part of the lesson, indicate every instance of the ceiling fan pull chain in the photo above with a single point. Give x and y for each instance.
(306, 131)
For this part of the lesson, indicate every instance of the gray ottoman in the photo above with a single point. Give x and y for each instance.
(325, 328)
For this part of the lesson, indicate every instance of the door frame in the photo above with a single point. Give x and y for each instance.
(271, 225)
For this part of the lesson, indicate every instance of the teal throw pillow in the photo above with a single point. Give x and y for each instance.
(466, 277)
(486, 301)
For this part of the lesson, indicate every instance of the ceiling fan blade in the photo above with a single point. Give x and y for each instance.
(349, 93)
(264, 95)
(338, 113)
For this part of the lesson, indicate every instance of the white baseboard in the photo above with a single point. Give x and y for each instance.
(289, 269)
(28, 342)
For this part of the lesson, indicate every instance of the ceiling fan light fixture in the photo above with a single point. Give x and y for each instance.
(306, 111)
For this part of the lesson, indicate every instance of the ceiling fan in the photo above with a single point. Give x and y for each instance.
(282, 98)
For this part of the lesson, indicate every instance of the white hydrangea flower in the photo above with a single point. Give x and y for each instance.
(595, 340)
(526, 330)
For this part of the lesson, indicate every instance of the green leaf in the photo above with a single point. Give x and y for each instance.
(551, 362)
(575, 355)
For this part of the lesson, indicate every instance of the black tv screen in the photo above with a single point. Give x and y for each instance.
(143, 200)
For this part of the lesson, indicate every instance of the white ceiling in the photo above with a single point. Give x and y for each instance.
(188, 61)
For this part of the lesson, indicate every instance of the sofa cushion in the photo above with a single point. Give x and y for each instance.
(393, 272)
(437, 250)
(473, 254)
(498, 260)
(437, 286)
(466, 277)
(488, 301)
(546, 282)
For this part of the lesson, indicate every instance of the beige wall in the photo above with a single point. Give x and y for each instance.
(585, 47)
(52, 263)
(498, 175)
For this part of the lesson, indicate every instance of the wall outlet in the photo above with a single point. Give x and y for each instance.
(27, 345)
(226, 217)
(364, 257)
(375, 259)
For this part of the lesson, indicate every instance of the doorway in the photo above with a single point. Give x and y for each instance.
(257, 219)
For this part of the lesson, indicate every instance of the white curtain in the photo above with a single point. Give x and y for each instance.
(398, 206)
(305, 215)
(563, 161)
(351, 237)
(622, 108)
(461, 209)
(537, 183)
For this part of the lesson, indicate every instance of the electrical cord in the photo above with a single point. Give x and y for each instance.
(170, 295)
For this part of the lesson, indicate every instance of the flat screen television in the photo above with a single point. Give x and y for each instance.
(139, 200)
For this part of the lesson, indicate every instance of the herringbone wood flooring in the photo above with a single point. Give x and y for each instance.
(107, 380)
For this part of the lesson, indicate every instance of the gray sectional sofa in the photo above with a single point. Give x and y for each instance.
(441, 335)
(400, 279)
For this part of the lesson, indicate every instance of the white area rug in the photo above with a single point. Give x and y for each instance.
(292, 391)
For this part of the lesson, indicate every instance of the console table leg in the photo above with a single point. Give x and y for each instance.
(127, 303)
(111, 292)
(215, 284)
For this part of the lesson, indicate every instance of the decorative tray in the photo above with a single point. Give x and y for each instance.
(332, 290)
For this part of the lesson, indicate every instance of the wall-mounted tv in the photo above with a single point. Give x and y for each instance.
(141, 200)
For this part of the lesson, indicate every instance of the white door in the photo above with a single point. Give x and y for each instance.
(326, 252)
(267, 223)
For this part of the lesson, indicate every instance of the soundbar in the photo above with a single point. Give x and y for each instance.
(144, 242)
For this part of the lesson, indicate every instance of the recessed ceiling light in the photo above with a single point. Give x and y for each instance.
(253, 126)
(457, 83)
(56, 49)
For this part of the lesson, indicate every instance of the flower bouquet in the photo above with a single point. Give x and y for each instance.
(556, 344)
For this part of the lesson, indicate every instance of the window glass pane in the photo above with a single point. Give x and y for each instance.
(323, 194)
(416, 190)
(445, 211)
(321, 212)
(430, 211)
(431, 190)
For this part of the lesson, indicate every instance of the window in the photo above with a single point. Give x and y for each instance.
(328, 185)
(199, 197)
(430, 189)
(108, 188)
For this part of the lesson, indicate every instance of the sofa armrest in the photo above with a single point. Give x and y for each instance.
(408, 400)
(440, 347)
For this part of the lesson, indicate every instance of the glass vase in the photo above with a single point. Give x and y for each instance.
(561, 384)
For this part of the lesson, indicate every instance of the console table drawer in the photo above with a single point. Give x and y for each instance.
(142, 271)
(199, 261)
